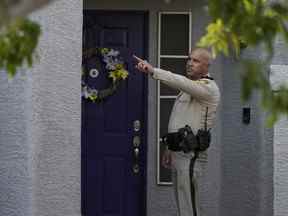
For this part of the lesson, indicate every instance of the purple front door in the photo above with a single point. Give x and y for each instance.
(113, 174)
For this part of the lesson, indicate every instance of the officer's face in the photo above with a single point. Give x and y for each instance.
(197, 65)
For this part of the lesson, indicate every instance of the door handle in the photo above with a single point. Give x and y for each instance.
(136, 141)
(136, 153)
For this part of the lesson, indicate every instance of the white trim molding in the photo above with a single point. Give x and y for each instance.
(159, 97)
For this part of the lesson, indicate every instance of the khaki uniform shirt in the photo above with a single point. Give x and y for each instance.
(195, 97)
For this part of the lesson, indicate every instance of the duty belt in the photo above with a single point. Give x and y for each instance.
(172, 140)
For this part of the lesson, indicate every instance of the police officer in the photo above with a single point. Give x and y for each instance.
(194, 106)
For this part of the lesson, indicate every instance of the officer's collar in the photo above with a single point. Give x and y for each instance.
(207, 77)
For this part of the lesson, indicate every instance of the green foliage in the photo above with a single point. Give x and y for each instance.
(216, 38)
(248, 21)
(251, 23)
(18, 41)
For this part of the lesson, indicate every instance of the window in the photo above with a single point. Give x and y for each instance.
(174, 41)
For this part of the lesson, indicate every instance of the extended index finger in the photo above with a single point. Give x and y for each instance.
(138, 59)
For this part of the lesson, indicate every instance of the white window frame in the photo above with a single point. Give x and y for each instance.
(159, 97)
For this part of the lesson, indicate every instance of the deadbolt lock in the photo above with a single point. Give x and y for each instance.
(137, 125)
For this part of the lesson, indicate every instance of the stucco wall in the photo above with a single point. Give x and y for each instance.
(15, 170)
(56, 111)
(246, 162)
(280, 168)
(40, 121)
(279, 75)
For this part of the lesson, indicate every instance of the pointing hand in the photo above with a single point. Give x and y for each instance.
(143, 65)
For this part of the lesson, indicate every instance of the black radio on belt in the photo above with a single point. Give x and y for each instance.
(185, 140)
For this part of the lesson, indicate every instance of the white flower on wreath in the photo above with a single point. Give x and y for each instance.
(113, 52)
(93, 91)
(88, 92)
(111, 59)
(85, 93)
(94, 73)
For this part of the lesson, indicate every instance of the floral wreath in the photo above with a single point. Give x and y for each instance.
(115, 70)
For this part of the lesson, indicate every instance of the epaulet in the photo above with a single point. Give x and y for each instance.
(205, 80)
(207, 77)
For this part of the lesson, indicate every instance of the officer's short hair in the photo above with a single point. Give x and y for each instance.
(204, 53)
